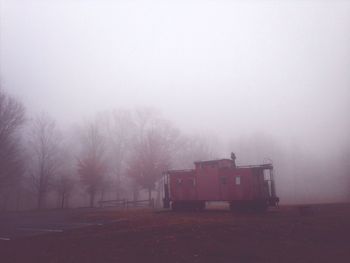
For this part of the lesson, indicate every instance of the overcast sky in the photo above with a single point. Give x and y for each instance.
(227, 67)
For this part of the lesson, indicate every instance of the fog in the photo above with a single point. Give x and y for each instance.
(264, 79)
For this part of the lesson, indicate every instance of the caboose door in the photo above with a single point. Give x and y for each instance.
(224, 188)
(261, 185)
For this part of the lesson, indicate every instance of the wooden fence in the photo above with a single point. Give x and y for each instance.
(123, 203)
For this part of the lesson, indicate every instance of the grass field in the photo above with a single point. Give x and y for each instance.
(290, 234)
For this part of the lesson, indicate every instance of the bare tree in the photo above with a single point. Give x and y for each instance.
(194, 148)
(64, 184)
(119, 129)
(65, 180)
(91, 165)
(152, 150)
(343, 165)
(12, 116)
(44, 148)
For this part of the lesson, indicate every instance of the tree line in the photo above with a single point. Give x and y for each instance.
(121, 154)
(117, 154)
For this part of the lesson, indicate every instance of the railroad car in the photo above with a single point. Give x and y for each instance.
(243, 187)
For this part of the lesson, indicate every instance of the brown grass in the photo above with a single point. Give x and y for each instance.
(212, 236)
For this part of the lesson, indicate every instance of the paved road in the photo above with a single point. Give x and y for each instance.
(21, 224)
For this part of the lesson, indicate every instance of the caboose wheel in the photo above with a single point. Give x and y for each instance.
(187, 205)
(236, 206)
(200, 205)
(176, 206)
(260, 207)
(248, 206)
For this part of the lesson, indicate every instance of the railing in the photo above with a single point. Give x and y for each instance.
(123, 203)
(178, 171)
(114, 203)
(140, 203)
(265, 166)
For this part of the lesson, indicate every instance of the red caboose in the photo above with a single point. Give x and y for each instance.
(220, 180)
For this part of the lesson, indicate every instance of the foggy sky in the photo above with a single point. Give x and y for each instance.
(224, 67)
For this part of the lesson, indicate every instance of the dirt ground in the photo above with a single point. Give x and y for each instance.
(290, 234)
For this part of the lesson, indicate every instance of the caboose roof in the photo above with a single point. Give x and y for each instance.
(212, 161)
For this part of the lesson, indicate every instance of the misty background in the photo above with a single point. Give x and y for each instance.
(268, 80)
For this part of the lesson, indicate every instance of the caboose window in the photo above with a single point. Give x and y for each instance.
(223, 180)
(238, 180)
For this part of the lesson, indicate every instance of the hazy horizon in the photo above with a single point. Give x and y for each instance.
(230, 69)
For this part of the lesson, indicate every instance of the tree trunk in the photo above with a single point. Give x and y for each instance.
(149, 194)
(18, 199)
(158, 202)
(102, 194)
(135, 194)
(92, 199)
(62, 200)
(40, 200)
(118, 187)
